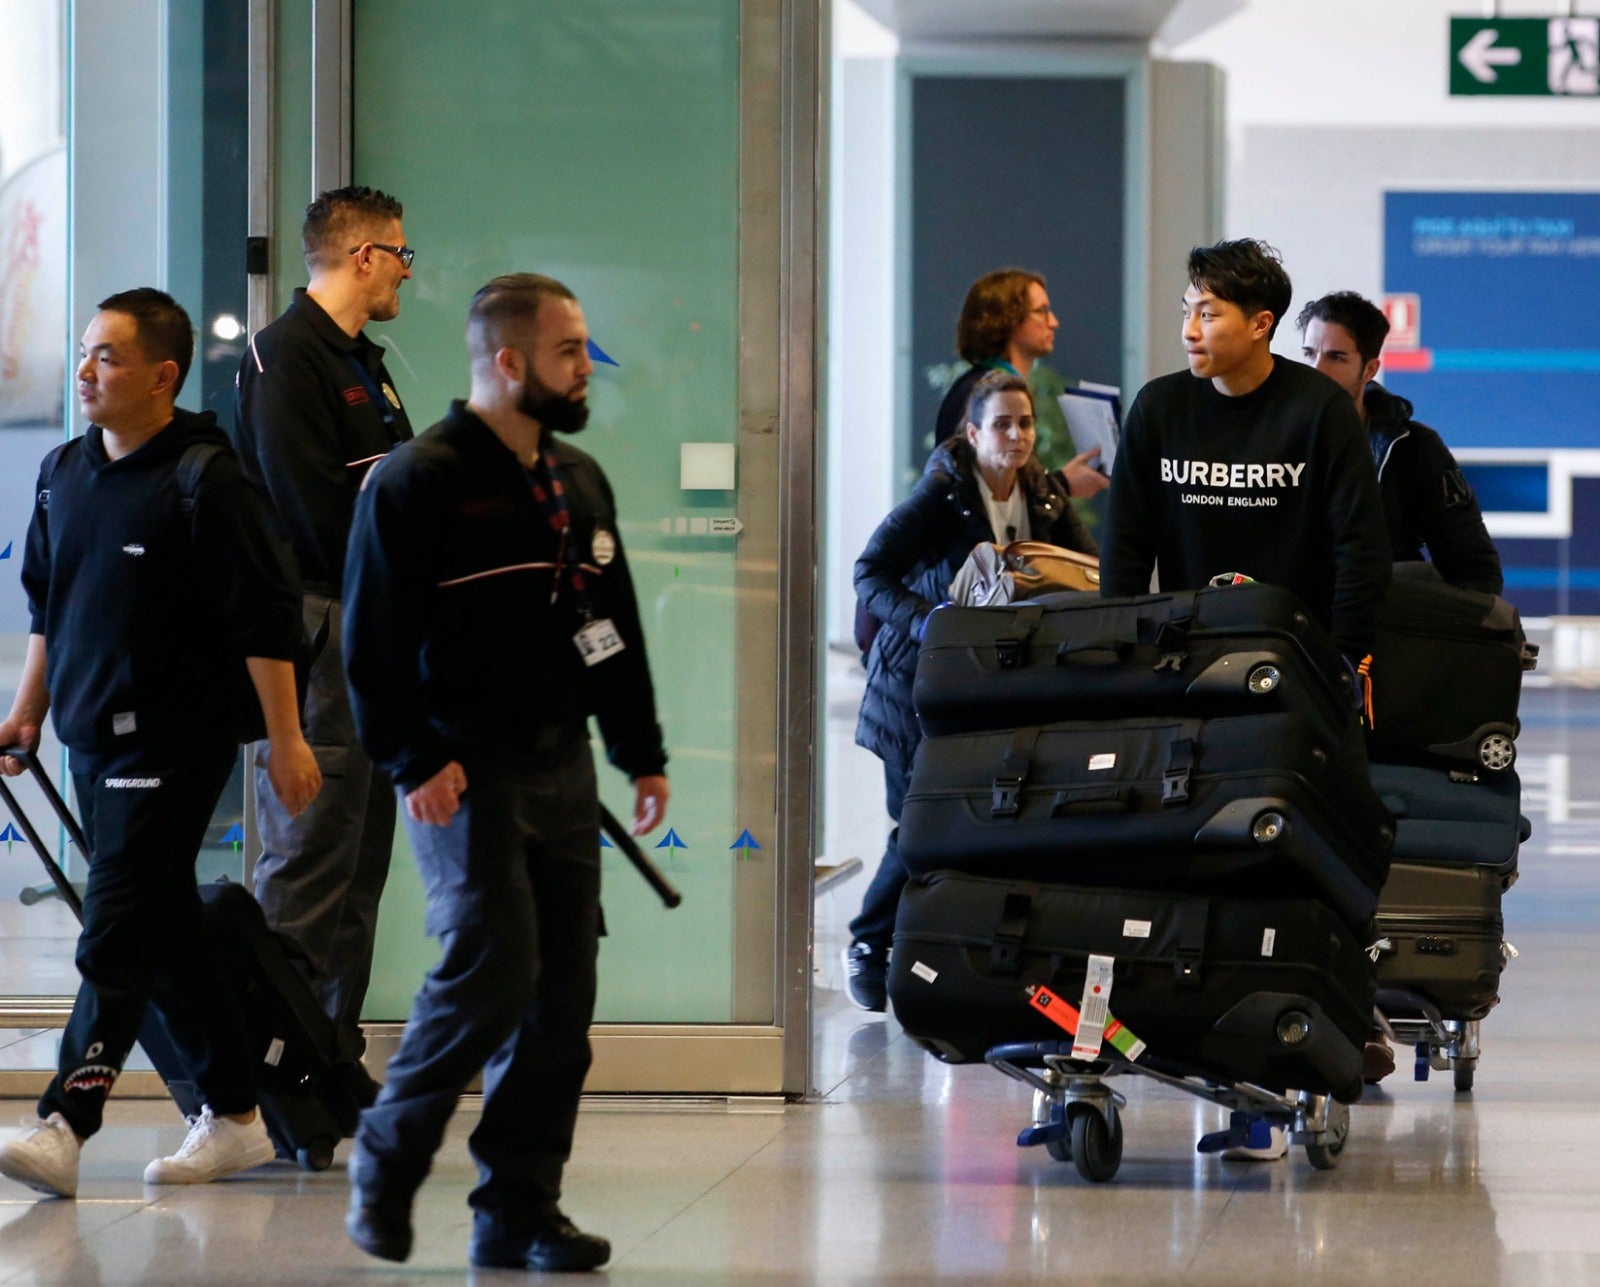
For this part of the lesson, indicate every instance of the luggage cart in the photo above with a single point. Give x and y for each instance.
(1078, 1117)
(1441, 1045)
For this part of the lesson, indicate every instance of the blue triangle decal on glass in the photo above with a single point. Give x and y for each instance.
(598, 354)
(671, 841)
(745, 841)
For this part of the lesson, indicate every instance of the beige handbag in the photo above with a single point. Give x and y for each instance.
(996, 574)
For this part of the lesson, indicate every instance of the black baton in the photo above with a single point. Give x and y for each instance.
(630, 848)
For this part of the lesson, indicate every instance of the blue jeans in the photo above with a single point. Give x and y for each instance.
(513, 895)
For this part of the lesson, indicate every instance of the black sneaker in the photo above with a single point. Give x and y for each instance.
(866, 972)
(554, 1246)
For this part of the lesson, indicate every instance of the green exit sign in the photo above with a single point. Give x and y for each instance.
(1544, 57)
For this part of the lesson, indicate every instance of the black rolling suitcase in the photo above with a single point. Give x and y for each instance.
(1454, 816)
(1264, 805)
(1223, 651)
(309, 1097)
(1276, 992)
(1447, 668)
(1440, 936)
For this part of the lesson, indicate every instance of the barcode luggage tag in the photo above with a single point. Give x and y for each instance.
(597, 641)
(1093, 1008)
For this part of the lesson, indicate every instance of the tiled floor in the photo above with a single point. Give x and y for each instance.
(904, 1171)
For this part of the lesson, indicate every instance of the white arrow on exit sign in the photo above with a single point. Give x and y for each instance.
(1481, 56)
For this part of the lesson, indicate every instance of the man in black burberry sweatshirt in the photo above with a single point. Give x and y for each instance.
(1247, 463)
(150, 593)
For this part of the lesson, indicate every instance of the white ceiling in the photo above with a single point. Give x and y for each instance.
(1137, 20)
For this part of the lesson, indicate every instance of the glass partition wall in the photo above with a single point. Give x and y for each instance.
(637, 151)
(657, 155)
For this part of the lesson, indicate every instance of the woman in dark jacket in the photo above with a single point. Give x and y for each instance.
(984, 484)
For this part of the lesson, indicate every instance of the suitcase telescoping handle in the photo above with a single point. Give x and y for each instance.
(58, 878)
(664, 888)
(652, 874)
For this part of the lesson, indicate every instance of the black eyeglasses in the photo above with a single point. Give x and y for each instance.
(405, 254)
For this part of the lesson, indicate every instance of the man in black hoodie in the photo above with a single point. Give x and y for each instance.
(147, 597)
(1427, 502)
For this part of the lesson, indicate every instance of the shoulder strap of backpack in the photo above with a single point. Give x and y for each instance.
(67, 448)
(191, 468)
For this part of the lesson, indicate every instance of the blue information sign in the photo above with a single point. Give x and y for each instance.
(1508, 329)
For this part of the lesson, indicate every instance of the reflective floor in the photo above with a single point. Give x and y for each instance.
(906, 1171)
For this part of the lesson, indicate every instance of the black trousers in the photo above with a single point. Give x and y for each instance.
(874, 924)
(143, 940)
(513, 890)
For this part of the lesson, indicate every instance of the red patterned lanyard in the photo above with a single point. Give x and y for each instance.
(544, 480)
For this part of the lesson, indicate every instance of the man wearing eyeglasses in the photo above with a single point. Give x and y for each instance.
(316, 409)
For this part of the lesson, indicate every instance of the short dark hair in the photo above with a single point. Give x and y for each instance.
(996, 304)
(509, 303)
(164, 330)
(990, 387)
(338, 215)
(1245, 272)
(1365, 321)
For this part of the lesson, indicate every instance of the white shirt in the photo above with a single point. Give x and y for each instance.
(1008, 518)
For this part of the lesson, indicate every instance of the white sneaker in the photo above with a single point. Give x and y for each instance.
(215, 1147)
(44, 1156)
(1270, 1152)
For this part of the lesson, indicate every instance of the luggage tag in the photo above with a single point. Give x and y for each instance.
(1067, 1017)
(597, 641)
(1093, 1008)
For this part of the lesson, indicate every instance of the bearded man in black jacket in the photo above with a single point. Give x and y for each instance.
(1427, 501)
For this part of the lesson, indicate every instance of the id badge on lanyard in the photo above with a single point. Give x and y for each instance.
(598, 639)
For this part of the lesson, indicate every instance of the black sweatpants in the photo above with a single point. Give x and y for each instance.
(143, 940)
(513, 889)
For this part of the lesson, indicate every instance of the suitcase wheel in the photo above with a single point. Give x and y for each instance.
(1096, 1141)
(316, 1154)
(1465, 1069)
(1497, 752)
(1263, 679)
(1324, 1151)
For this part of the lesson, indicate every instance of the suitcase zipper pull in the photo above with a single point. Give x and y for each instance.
(1508, 952)
(1379, 948)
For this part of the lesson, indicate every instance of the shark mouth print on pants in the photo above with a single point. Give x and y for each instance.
(90, 1077)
